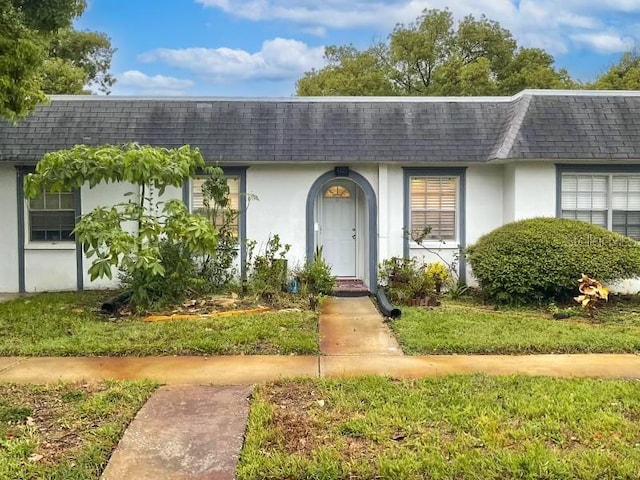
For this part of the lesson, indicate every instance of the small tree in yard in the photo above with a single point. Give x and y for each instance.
(146, 239)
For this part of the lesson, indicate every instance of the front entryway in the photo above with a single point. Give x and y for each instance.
(341, 219)
(338, 225)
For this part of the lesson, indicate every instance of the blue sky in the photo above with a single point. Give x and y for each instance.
(260, 47)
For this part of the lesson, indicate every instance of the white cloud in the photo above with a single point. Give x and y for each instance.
(135, 81)
(278, 59)
(604, 42)
(317, 31)
(348, 14)
(550, 24)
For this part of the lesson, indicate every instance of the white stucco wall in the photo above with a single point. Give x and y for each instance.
(484, 200)
(8, 241)
(534, 190)
(394, 230)
(496, 194)
(508, 194)
(50, 267)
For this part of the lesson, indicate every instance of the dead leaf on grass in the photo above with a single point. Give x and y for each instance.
(35, 457)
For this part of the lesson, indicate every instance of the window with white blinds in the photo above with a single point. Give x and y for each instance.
(609, 200)
(433, 203)
(197, 199)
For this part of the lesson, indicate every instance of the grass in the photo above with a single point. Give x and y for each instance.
(457, 327)
(64, 432)
(462, 427)
(66, 324)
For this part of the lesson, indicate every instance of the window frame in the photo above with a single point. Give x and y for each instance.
(241, 173)
(460, 222)
(594, 170)
(29, 210)
(24, 244)
(239, 206)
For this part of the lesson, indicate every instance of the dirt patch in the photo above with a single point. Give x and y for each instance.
(306, 422)
(292, 416)
(44, 414)
(218, 303)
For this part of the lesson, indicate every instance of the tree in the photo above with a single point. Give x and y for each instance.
(160, 230)
(73, 53)
(41, 53)
(433, 56)
(625, 75)
(349, 72)
(533, 68)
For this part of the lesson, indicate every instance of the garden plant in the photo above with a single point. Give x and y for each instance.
(538, 260)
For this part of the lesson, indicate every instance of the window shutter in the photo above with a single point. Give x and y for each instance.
(433, 204)
(197, 200)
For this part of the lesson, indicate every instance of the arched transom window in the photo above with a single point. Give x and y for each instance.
(337, 191)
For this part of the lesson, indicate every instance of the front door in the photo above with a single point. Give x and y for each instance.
(339, 228)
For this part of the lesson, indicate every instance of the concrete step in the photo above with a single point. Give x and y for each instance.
(350, 287)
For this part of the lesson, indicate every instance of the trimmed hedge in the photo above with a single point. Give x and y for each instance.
(542, 259)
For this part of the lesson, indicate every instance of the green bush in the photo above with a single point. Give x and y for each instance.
(315, 277)
(541, 259)
(267, 268)
(180, 279)
(406, 279)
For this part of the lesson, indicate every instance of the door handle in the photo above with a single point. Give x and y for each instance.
(353, 236)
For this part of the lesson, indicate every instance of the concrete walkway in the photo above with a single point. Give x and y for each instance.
(248, 370)
(353, 326)
(5, 297)
(184, 433)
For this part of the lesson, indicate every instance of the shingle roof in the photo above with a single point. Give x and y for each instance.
(533, 124)
(580, 127)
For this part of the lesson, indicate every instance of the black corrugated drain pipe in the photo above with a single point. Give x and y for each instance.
(385, 306)
(114, 304)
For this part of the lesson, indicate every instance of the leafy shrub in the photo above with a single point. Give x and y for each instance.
(179, 279)
(405, 279)
(541, 258)
(315, 277)
(268, 268)
(439, 274)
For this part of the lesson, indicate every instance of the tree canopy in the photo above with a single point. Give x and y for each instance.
(41, 53)
(625, 75)
(435, 56)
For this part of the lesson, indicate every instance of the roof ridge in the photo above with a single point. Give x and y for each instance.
(522, 107)
(356, 99)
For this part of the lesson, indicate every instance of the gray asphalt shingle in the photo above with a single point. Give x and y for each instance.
(528, 126)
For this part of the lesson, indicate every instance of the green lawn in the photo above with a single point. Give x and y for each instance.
(67, 324)
(64, 432)
(457, 327)
(464, 427)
